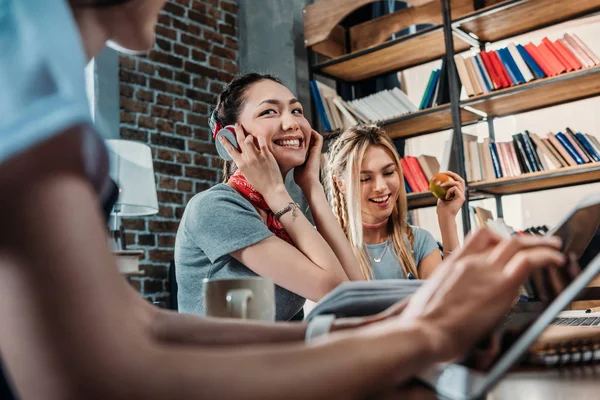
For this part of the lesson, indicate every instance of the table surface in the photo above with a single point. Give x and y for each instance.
(572, 383)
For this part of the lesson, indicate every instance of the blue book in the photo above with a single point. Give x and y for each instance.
(431, 89)
(513, 65)
(407, 187)
(495, 160)
(314, 90)
(588, 146)
(533, 66)
(507, 66)
(482, 69)
(569, 147)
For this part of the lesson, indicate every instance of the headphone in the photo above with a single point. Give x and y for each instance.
(228, 132)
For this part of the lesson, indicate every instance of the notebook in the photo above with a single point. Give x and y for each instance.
(562, 345)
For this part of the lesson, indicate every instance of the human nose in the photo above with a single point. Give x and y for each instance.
(289, 123)
(380, 184)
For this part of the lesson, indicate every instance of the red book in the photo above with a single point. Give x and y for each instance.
(554, 62)
(570, 57)
(412, 181)
(500, 68)
(415, 169)
(489, 65)
(556, 53)
(533, 52)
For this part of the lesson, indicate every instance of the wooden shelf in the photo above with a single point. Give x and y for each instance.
(489, 24)
(425, 121)
(404, 52)
(513, 17)
(534, 181)
(538, 94)
(420, 200)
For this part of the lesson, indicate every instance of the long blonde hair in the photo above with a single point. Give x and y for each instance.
(343, 162)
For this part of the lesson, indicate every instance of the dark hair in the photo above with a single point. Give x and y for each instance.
(230, 104)
(97, 3)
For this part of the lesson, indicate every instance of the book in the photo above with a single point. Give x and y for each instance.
(590, 148)
(482, 216)
(569, 147)
(472, 71)
(494, 75)
(594, 142)
(550, 46)
(570, 135)
(429, 165)
(495, 160)
(415, 169)
(536, 157)
(486, 160)
(407, 187)
(567, 55)
(554, 63)
(561, 161)
(504, 162)
(410, 178)
(484, 74)
(314, 90)
(507, 81)
(536, 55)
(577, 50)
(511, 66)
(533, 66)
(561, 150)
(544, 153)
(361, 298)
(585, 48)
(521, 153)
(429, 89)
(468, 156)
(461, 68)
(532, 162)
(520, 62)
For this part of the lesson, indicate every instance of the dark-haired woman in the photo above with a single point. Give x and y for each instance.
(249, 225)
(72, 328)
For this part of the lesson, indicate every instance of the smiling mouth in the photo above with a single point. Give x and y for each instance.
(381, 200)
(289, 143)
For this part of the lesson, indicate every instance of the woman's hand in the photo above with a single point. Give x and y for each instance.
(256, 163)
(308, 173)
(455, 197)
(473, 289)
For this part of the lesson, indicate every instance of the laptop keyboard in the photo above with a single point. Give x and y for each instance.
(582, 321)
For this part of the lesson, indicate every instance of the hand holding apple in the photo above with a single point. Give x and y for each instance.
(449, 188)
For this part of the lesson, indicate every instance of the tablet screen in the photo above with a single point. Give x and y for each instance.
(581, 240)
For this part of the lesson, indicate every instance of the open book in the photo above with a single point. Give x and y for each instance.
(360, 298)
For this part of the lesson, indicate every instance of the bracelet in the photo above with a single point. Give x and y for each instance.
(319, 326)
(290, 207)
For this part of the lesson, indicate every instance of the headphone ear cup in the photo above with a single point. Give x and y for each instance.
(230, 136)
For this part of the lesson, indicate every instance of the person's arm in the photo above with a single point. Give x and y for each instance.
(307, 177)
(447, 211)
(428, 265)
(70, 330)
(310, 268)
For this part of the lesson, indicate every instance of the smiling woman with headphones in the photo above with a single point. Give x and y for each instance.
(249, 225)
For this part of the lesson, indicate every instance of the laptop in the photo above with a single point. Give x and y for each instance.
(550, 292)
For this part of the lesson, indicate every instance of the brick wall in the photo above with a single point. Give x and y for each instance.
(165, 100)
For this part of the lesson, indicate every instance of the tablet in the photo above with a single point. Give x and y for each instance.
(550, 291)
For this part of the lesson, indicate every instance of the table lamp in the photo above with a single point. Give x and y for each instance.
(131, 168)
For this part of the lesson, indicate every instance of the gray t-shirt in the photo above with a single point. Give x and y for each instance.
(216, 223)
(390, 266)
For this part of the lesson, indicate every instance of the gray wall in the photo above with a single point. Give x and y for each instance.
(272, 41)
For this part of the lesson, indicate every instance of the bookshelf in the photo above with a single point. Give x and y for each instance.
(361, 52)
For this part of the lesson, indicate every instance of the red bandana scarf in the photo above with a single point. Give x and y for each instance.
(238, 180)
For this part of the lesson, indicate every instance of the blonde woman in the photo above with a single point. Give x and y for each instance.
(366, 191)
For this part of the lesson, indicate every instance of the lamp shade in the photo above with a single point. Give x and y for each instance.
(131, 167)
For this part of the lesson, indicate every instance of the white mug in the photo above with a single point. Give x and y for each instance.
(244, 298)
